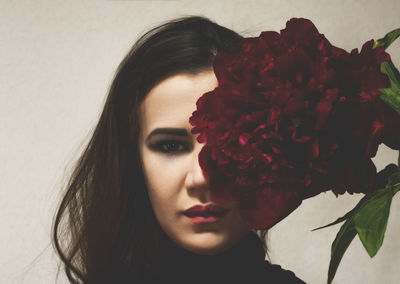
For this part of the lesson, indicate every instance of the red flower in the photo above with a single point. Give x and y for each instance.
(292, 116)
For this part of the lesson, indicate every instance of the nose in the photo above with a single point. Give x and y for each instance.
(195, 179)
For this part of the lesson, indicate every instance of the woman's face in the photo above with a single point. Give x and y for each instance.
(175, 182)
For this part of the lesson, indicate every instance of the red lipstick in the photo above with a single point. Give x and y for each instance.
(205, 213)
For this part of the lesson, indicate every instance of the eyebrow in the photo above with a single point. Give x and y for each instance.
(168, 131)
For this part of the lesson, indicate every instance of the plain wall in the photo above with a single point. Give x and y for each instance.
(57, 62)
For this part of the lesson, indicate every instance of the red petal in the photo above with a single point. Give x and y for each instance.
(265, 208)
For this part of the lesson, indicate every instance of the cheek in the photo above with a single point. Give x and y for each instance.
(165, 180)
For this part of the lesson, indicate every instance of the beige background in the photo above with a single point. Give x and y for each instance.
(57, 62)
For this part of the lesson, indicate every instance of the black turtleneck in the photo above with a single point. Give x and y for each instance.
(244, 263)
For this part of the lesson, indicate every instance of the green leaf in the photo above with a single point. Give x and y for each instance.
(348, 215)
(388, 68)
(387, 39)
(371, 220)
(338, 220)
(382, 178)
(342, 241)
(394, 178)
(391, 95)
(396, 188)
(391, 98)
(368, 219)
(394, 181)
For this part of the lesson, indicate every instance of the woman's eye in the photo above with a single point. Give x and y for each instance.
(171, 147)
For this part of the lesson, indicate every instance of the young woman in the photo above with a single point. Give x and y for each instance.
(137, 208)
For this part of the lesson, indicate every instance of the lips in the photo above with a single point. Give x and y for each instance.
(206, 211)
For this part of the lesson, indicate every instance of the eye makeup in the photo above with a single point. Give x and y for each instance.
(170, 146)
(169, 141)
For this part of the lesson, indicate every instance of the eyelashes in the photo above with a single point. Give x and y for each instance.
(171, 147)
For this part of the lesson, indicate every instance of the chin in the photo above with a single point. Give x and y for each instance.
(205, 243)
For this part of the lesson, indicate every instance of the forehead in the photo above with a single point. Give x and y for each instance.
(171, 102)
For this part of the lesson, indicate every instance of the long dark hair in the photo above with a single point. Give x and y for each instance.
(105, 230)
